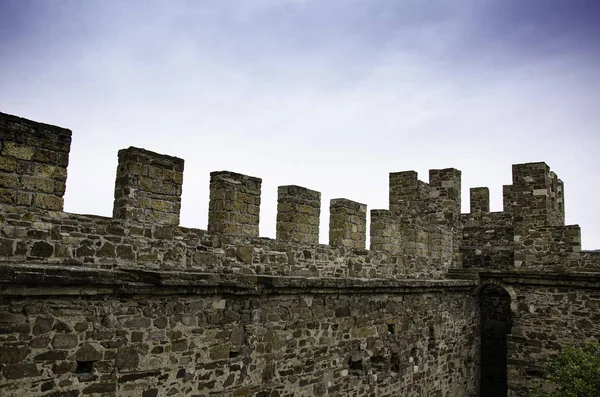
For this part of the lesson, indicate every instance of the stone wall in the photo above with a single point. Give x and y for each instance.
(265, 337)
(144, 231)
(548, 312)
(530, 233)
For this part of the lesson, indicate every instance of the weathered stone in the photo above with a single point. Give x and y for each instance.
(64, 341)
(127, 358)
(6, 317)
(61, 326)
(42, 249)
(138, 323)
(219, 352)
(48, 202)
(89, 352)
(19, 371)
(179, 345)
(63, 367)
(47, 386)
(245, 253)
(107, 250)
(39, 342)
(125, 252)
(161, 322)
(64, 393)
(43, 325)
(13, 354)
(100, 388)
(150, 393)
(139, 375)
(51, 355)
(12, 149)
(81, 326)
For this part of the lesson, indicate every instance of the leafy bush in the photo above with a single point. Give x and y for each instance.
(575, 372)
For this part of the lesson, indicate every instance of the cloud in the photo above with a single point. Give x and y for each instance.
(329, 95)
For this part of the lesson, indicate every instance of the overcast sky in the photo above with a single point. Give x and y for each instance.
(327, 94)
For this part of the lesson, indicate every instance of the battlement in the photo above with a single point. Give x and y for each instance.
(148, 187)
(135, 304)
(422, 234)
(234, 206)
(529, 232)
(33, 163)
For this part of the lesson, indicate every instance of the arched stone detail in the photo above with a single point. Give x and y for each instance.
(514, 312)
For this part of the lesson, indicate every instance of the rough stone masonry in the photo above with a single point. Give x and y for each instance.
(443, 304)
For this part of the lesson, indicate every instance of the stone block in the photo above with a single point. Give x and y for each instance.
(146, 189)
(234, 204)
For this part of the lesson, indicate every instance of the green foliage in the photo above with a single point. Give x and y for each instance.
(575, 372)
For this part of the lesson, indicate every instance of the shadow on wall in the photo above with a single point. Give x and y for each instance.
(496, 324)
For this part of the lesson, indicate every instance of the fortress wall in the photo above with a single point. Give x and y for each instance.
(411, 238)
(83, 240)
(488, 237)
(549, 318)
(488, 247)
(530, 230)
(539, 247)
(144, 231)
(240, 337)
(549, 311)
(590, 259)
(536, 198)
(137, 305)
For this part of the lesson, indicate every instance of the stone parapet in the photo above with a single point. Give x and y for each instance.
(386, 234)
(535, 197)
(298, 212)
(234, 206)
(148, 187)
(33, 164)
(480, 200)
(347, 224)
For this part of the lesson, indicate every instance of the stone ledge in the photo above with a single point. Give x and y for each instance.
(573, 277)
(50, 280)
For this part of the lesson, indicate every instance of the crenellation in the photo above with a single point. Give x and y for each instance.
(148, 187)
(386, 235)
(534, 203)
(507, 199)
(33, 163)
(560, 198)
(406, 191)
(443, 303)
(556, 207)
(445, 190)
(234, 206)
(480, 200)
(347, 224)
(298, 212)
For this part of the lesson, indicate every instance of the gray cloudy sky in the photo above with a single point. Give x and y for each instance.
(327, 94)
